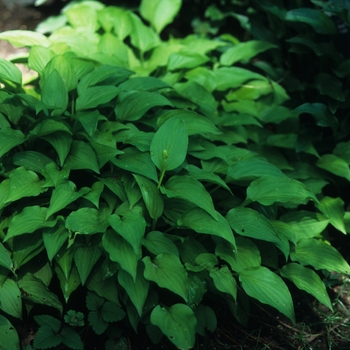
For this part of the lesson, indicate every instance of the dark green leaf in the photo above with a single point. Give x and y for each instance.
(201, 222)
(31, 218)
(9, 139)
(82, 156)
(133, 105)
(178, 323)
(320, 22)
(151, 196)
(120, 251)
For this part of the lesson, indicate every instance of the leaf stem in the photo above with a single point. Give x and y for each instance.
(161, 178)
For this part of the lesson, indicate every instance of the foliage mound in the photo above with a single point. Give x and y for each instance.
(163, 176)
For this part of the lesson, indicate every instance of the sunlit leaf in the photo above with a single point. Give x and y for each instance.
(159, 12)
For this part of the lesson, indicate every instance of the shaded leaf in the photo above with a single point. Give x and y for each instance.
(178, 323)
(262, 284)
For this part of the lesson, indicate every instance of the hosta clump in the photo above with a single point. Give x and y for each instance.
(155, 174)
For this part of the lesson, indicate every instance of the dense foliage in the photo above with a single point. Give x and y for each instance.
(164, 174)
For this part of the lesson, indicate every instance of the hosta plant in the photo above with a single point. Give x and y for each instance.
(158, 177)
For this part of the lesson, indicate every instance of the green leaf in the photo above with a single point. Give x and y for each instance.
(8, 335)
(330, 86)
(62, 65)
(39, 57)
(9, 139)
(35, 290)
(143, 84)
(308, 280)
(342, 150)
(25, 249)
(151, 196)
(244, 51)
(71, 339)
(134, 104)
(333, 209)
(185, 60)
(10, 298)
(160, 12)
(104, 287)
(61, 142)
(136, 290)
(168, 272)
(86, 221)
(29, 220)
(142, 37)
(120, 251)
(84, 16)
(85, 257)
(319, 21)
(131, 227)
(64, 194)
(246, 254)
(272, 189)
(334, 165)
(199, 95)
(116, 18)
(250, 223)
(54, 238)
(46, 338)
(262, 284)
(206, 319)
(305, 224)
(224, 281)
(68, 284)
(103, 75)
(5, 258)
(21, 38)
(32, 160)
(89, 121)
(23, 183)
(191, 190)
(251, 169)
(194, 122)
(157, 242)
(206, 176)
(169, 145)
(95, 96)
(137, 162)
(201, 222)
(178, 323)
(54, 93)
(10, 72)
(233, 77)
(82, 156)
(319, 255)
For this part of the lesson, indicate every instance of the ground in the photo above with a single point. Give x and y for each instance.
(317, 327)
